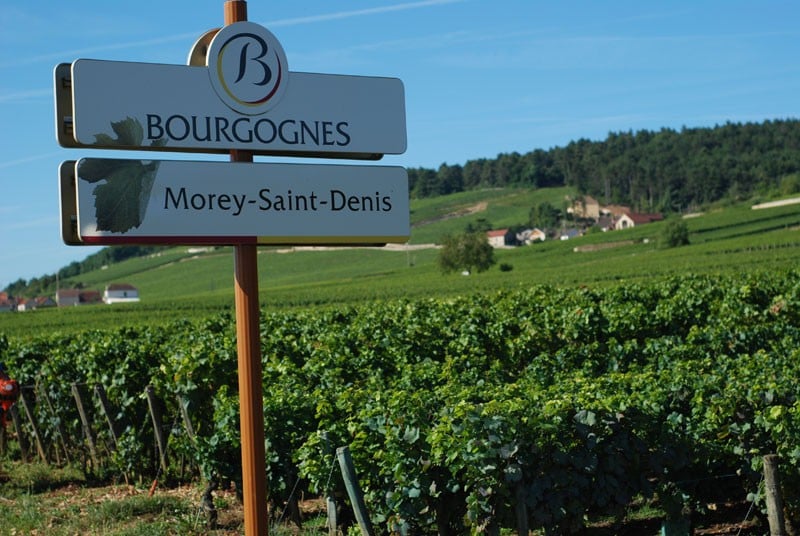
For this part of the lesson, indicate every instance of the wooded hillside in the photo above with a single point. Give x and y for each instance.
(662, 171)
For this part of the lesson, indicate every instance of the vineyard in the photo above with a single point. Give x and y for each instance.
(541, 408)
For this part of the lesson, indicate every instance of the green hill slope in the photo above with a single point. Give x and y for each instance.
(181, 282)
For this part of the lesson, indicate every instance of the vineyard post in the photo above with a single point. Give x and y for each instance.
(154, 405)
(86, 424)
(354, 490)
(774, 499)
(26, 405)
(23, 443)
(330, 501)
(248, 345)
(183, 406)
(105, 406)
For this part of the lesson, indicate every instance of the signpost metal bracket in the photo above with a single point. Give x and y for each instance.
(67, 191)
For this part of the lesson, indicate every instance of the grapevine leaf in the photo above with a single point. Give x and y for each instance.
(121, 201)
(97, 169)
(129, 133)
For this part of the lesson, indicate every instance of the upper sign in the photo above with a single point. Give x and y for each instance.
(244, 99)
(121, 201)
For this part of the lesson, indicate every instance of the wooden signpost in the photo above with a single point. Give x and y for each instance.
(237, 95)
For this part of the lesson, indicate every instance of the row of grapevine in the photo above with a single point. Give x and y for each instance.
(540, 407)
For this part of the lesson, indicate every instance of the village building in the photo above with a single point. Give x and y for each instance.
(120, 293)
(585, 207)
(31, 304)
(632, 219)
(500, 238)
(88, 297)
(605, 223)
(529, 236)
(68, 297)
(567, 234)
(615, 210)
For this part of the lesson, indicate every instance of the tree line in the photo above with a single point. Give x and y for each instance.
(651, 171)
(47, 283)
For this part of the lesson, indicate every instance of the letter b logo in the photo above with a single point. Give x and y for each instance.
(247, 67)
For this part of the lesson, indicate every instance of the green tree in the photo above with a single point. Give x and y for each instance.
(423, 183)
(481, 225)
(544, 216)
(465, 252)
(790, 184)
(674, 234)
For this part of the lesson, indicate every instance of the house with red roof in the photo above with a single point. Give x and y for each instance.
(632, 219)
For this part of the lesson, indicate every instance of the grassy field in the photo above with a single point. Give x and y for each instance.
(179, 283)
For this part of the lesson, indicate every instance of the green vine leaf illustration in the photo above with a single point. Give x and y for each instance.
(129, 132)
(121, 201)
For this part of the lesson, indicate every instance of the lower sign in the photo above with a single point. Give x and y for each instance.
(121, 201)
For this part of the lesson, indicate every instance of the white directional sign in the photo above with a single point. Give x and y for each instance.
(245, 98)
(144, 106)
(122, 201)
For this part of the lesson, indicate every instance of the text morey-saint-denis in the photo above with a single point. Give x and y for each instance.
(266, 199)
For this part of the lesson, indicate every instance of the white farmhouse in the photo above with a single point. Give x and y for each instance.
(499, 238)
(120, 293)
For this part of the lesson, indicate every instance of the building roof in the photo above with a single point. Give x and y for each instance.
(90, 296)
(644, 218)
(616, 210)
(496, 232)
(68, 293)
(120, 286)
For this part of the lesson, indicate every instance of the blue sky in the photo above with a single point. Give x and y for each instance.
(481, 77)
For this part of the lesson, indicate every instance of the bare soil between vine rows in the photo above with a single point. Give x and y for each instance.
(726, 519)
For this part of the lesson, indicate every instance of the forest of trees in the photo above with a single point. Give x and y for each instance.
(664, 171)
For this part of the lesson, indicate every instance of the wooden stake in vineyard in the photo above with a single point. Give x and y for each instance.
(251, 417)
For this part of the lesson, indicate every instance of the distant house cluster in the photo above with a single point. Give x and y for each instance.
(610, 217)
(10, 303)
(584, 209)
(71, 297)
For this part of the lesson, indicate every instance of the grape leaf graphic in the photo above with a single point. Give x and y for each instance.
(129, 132)
(121, 201)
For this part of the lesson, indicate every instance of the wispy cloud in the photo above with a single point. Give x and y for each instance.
(50, 221)
(193, 35)
(9, 209)
(359, 12)
(102, 48)
(25, 95)
(27, 159)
